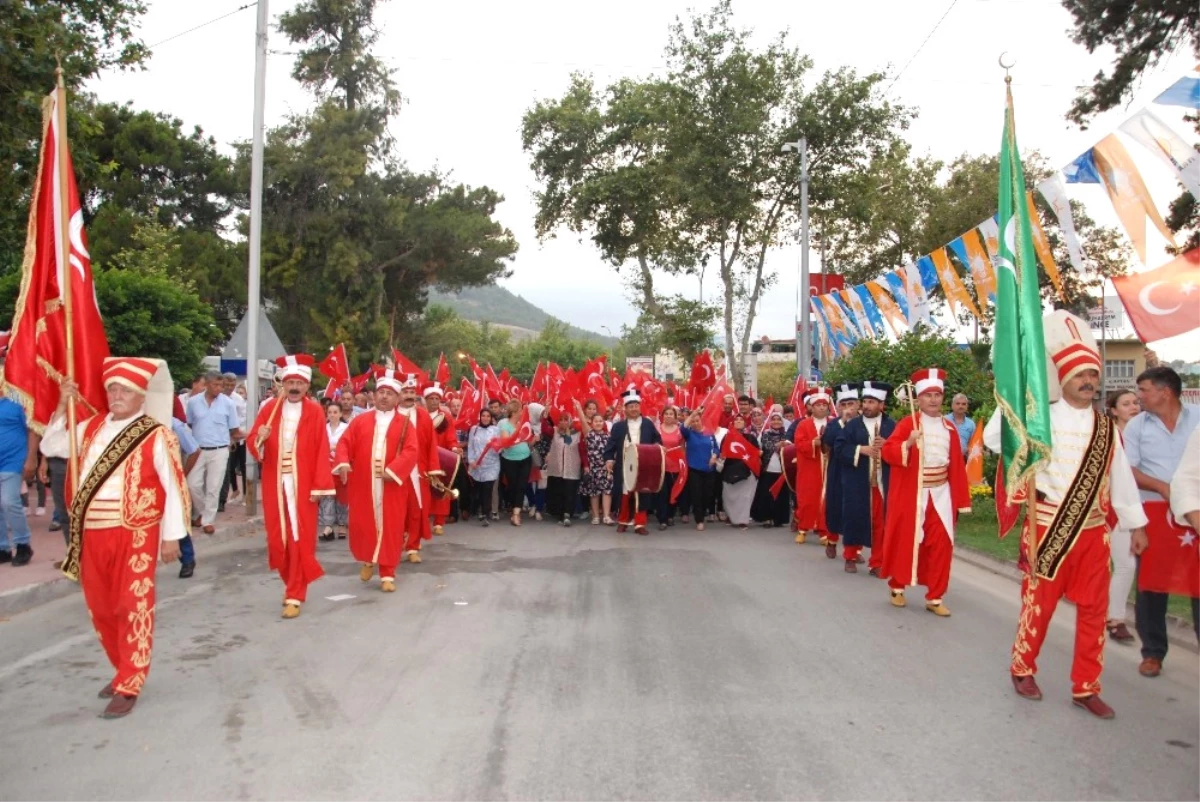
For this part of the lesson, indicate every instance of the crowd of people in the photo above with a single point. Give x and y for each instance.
(391, 467)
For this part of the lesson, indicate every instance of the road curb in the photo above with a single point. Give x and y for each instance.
(19, 600)
(1179, 630)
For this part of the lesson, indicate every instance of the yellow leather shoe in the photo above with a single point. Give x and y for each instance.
(439, 530)
(824, 540)
(938, 609)
(291, 610)
(801, 537)
(366, 572)
(898, 600)
(414, 556)
(387, 585)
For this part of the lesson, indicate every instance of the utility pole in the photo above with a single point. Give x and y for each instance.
(253, 288)
(803, 332)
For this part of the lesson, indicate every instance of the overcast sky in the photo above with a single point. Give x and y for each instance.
(469, 70)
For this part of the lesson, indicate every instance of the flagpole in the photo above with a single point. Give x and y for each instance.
(66, 271)
(253, 290)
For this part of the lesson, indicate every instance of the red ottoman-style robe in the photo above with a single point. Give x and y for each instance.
(417, 526)
(295, 474)
(382, 451)
(810, 476)
(131, 494)
(923, 503)
(443, 430)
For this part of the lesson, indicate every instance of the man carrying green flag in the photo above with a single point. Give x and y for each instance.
(1065, 545)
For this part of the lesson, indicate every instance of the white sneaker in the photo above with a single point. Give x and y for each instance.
(40, 511)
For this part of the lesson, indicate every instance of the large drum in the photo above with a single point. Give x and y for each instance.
(449, 462)
(787, 456)
(645, 468)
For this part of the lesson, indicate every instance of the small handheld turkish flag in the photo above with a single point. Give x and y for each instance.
(735, 446)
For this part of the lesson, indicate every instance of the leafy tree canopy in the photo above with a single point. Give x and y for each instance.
(1140, 31)
(895, 362)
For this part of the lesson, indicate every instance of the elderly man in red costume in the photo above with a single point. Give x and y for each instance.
(1087, 481)
(444, 437)
(376, 458)
(927, 490)
(129, 509)
(811, 464)
(290, 441)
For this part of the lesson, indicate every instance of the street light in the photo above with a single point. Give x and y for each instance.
(803, 344)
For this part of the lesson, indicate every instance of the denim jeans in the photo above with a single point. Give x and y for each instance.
(14, 529)
(187, 552)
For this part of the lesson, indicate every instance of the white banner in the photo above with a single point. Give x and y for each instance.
(1153, 134)
(1055, 193)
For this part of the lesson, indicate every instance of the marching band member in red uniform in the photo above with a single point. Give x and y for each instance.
(291, 443)
(444, 437)
(1088, 477)
(811, 465)
(376, 459)
(927, 489)
(416, 526)
(130, 509)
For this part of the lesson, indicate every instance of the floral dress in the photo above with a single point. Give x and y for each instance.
(597, 481)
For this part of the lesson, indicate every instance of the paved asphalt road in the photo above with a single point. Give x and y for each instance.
(545, 663)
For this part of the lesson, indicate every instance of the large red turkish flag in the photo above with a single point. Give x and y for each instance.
(735, 446)
(1163, 302)
(37, 348)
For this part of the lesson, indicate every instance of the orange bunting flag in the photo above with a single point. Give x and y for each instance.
(952, 285)
(887, 306)
(983, 273)
(1042, 245)
(975, 456)
(1130, 197)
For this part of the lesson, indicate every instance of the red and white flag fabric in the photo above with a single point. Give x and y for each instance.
(796, 399)
(37, 353)
(1163, 302)
(703, 375)
(1171, 563)
(736, 446)
(523, 433)
(336, 366)
(472, 404)
(712, 406)
(408, 367)
(442, 374)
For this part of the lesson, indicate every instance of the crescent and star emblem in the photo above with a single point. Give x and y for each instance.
(1149, 306)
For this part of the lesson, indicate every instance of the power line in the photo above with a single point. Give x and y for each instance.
(921, 46)
(204, 24)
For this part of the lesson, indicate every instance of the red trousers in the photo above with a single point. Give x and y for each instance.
(851, 552)
(117, 576)
(626, 513)
(295, 585)
(876, 560)
(415, 519)
(439, 520)
(1083, 579)
(934, 555)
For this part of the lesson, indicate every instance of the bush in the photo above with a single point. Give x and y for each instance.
(895, 362)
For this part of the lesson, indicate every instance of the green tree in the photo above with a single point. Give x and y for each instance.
(89, 36)
(895, 362)
(352, 240)
(683, 171)
(1140, 32)
(145, 314)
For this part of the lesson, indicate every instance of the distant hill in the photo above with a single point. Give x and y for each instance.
(494, 304)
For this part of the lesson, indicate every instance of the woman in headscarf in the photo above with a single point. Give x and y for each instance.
(738, 482)
(484, 474)
(772, 511)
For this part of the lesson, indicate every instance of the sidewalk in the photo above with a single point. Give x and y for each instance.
(39, 582)
(1179, 630)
